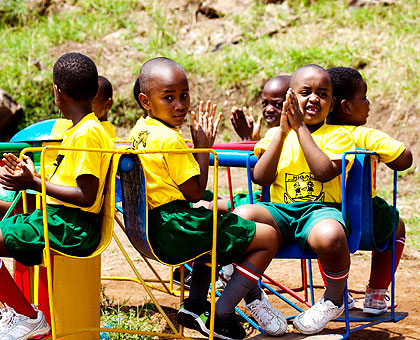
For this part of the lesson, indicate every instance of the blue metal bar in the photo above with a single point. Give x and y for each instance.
(393, 245)
(248, 172)
(281, 296)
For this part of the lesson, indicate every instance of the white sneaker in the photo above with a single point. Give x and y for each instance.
(316, 318)
(270, 319)
(350, 302)
(15, 326)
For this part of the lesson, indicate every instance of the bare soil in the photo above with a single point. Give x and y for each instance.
(286, 272)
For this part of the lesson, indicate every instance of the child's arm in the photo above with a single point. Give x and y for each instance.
(25, 177)
(265, 171)
(322, 167)
(244, 123)
(203, 133)
(403, 161)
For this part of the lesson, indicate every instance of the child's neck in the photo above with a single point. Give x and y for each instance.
(313, 128)
(335, 121)
(78, 111)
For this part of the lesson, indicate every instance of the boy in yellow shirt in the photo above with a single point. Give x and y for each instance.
(101, 105)
(301, 160)
(74, 187)
(178, 232)
(351, 110)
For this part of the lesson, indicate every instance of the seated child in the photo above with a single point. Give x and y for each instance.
(74, 187)
(101, 105)
(301, 160)
(178, 232)
(273, 96)
(351, 109)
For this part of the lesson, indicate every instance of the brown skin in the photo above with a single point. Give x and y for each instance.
(355, 112)
(273, 96)
(24, 176)
(307, 105)
(168, 101)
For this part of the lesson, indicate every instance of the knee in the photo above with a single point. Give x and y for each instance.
(328, 238)
(246, 211)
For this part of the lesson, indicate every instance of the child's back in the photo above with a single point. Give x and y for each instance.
(351, 110)
(74, 188)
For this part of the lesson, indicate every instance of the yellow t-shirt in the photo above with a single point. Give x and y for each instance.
(294, 180)
(69, 165)
(164, 171)
(109, 128)
(61, 125)
(387, 148)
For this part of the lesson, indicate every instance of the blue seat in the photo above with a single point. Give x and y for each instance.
(134, 202)
(357, 208)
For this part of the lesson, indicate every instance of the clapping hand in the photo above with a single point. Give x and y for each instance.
(204, 125)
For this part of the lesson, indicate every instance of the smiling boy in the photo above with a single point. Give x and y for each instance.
(301, 160)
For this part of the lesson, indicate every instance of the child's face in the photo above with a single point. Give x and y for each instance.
(169, 97)
(101, 106)
(273, 96)
(359, 105)
(313, 89)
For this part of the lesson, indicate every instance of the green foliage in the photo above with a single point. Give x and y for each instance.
(134, 318)
(123, 316)
(275, 39)
(413, 231)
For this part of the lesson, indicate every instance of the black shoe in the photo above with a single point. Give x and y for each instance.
(226, 330)
(190, 310)
(176, 278)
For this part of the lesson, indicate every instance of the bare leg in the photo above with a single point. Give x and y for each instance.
(258, 213)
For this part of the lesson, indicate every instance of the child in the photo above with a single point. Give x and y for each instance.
(351, 109)
(301, 160)
(74, 191)
(273, 96)
(101, 105)
(178, 232)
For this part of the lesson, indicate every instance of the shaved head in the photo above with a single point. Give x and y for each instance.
(307, 69)
(278, 82)
(152, 68)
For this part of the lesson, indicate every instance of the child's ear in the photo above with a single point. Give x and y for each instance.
(108, 104)
(345, 106)
(144, 100)
(57, 93)
(332, 104)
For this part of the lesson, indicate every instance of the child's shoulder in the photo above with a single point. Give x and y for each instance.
(157, 132)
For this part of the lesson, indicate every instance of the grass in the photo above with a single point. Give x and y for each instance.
(122, 316)
(325, 32)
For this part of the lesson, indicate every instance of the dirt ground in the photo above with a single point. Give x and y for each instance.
(287, 272)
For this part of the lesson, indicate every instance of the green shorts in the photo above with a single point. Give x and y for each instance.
(296, 220)
(242, 198)
(383, 219)
(178, 233)
(72, 231)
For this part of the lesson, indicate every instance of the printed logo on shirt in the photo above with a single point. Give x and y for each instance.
(303, 187)
(55, 165)
(141, 139)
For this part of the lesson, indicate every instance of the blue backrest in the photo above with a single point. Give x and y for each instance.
(357, 197)
(134, 201)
